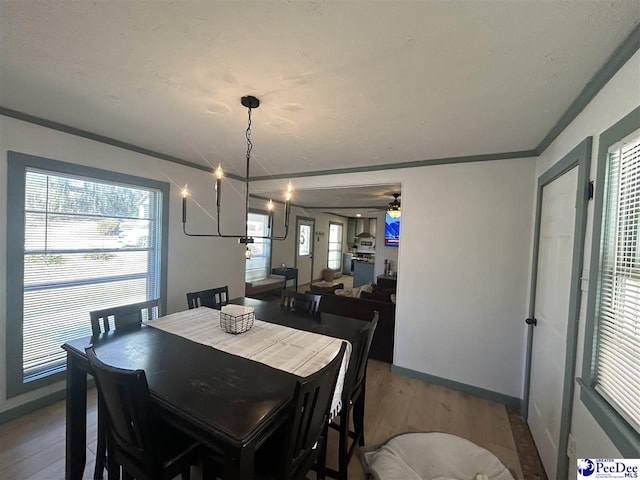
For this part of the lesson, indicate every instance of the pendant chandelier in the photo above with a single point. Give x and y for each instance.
(250, 102)
(394, 207)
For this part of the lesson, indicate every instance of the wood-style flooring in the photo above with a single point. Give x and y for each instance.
(33, 446)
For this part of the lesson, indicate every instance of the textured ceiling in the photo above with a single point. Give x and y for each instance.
(342, 84)
(348, 202)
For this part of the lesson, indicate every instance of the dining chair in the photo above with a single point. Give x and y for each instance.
(353, 396)
(212, 298)
(138, 440)
(124, 315)
(306, 302)
(292, 450)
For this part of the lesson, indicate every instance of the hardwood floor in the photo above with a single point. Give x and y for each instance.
(32, 447)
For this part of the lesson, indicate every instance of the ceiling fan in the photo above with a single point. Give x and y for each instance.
(395, 203)
(394, 206)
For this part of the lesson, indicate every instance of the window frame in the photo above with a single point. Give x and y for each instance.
(17, 165)
(270, 230)
(341, 225)
(622, 434)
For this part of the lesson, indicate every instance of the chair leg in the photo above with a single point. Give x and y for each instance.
(321, 461)
(101, 448)
(113, 469)
(343, 444)
(358, 419)
(186, 473)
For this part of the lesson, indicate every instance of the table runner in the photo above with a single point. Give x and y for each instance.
(295, 351)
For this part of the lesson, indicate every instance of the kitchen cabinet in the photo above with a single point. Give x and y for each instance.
(362, 273)
(346, 263)
(351, 230)
(373, 223)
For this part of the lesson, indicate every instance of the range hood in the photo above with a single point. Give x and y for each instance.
(363, 225)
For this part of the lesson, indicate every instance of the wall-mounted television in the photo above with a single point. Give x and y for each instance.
(391, 230)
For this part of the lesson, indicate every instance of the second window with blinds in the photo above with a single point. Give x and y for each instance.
(334, 257)
(257, 266)
(611, 365)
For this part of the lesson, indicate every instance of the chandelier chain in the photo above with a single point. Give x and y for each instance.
(248, 135)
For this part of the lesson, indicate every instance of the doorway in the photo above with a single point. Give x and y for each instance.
(554, 310)
(305, 233)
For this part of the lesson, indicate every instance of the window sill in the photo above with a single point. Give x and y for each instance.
(623, 436)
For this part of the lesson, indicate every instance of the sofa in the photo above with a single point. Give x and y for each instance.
(272, 283)
(363, 308)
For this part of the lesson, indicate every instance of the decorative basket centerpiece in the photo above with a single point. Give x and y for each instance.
(236, 318)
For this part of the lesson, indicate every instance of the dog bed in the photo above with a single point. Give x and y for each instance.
(432, 456)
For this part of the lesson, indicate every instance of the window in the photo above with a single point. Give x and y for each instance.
(79, 239)
(611, 368)
(257, 266)
(335, 246)
(304, 244)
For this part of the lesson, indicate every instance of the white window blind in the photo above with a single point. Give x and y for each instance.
(335, 246)
(618, 338)
(88, 245)
(257, 266)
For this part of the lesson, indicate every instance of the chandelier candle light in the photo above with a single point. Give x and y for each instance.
(250, 102)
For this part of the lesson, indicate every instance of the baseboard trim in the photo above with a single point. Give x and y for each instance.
(461, 387)
(32, 406)
(37, 404)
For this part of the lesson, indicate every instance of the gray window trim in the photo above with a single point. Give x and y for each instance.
(16, 176)
(623, 436)
(331, 222)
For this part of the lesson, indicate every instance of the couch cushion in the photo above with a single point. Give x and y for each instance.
(362, 309)
(354, 292)
(379, 293)
(331, 289)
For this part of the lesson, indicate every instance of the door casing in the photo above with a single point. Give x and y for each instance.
(295, 244)
(580, 156)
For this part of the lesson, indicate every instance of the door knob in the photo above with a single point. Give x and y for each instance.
(531, 321)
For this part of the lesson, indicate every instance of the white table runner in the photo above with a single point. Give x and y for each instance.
(295, 351)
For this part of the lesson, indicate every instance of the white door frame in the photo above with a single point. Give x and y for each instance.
(295, 245)
(580, 156)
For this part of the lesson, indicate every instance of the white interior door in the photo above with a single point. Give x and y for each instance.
(553, 286)
(304, 250)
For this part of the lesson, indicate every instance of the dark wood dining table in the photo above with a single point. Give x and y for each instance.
(228, 403)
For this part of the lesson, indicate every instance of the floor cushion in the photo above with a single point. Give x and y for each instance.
(432, 456)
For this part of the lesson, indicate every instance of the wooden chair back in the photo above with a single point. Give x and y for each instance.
(124, 316)
(125, 394)
(311, 408)
(359, 358)
(305, 302)
(212, 298)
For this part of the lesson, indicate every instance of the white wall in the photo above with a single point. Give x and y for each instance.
(614, 101)
(462, 267)
(193, 264)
